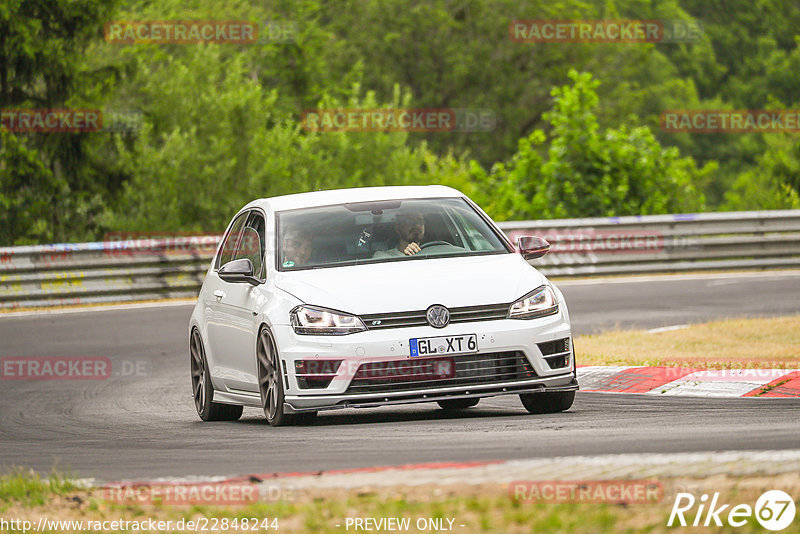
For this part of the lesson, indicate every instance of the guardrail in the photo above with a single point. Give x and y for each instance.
(143, 269)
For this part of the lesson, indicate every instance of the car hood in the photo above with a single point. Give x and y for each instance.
(414, 284)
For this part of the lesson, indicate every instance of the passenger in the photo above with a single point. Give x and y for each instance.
(296, 248)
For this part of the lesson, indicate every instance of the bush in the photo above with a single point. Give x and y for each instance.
(589, 173)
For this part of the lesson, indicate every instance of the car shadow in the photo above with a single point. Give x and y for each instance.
(379, 416)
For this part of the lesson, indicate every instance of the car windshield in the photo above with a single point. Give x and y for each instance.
(393, 230)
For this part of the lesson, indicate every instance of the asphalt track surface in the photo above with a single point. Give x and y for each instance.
(141, 424)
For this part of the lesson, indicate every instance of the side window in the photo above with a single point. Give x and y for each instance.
(252, 243)
(228, 247)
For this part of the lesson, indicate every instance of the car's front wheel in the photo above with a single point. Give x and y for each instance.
(548, 402)
(202, 390)
(270, 384)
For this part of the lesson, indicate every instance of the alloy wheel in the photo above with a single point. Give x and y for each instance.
(198, 372)
(268, 375)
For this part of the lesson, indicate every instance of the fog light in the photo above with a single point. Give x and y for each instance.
(315, 374)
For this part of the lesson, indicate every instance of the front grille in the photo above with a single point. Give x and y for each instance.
(448, 371)
(378, 321)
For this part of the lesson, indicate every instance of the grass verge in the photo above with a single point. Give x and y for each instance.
(463, 508)
(29, 488)
(728, 344)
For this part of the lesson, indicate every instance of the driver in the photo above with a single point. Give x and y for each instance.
(410, 229)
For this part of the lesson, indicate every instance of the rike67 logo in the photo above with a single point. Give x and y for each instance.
(774, 510)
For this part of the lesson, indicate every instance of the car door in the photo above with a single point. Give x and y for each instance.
(239, 305)
(216, 309)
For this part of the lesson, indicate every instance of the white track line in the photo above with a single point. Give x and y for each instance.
(675, 277)
(667, 328)
(102, 308)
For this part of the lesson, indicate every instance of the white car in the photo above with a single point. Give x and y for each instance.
(375, 296)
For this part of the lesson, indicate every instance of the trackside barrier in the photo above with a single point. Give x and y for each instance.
(119, 271)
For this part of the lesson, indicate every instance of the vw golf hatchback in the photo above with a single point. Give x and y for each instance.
(375, 296)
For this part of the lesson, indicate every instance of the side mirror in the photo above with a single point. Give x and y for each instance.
(532, 247)
(239, 271)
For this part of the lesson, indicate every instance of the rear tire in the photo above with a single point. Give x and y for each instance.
(457, 404)
(548, 402)
(203, 390)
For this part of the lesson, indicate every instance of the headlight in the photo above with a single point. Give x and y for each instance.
(320, 321)
(538, 303)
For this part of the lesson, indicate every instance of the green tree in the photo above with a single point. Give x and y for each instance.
(774, 183)
(215, 138)
(461, 55)
(41, 45)
(589, 172)
(26, 189)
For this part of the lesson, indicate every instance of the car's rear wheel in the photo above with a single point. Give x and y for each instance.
(457, 404)
(270, 384)
(549, 402)
(202, 389)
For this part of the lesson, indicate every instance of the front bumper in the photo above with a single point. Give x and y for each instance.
(295, 404)
(496, 336)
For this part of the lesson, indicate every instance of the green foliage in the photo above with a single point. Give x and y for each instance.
(49, 189)
(27, 191)
(774, 183)
(589, 172)
(222, 122)
(460, 55)
(215, 138)
(30, 488)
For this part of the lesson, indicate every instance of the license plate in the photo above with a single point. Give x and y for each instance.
(440, 346)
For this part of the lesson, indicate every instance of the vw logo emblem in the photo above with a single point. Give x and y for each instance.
(438, 316)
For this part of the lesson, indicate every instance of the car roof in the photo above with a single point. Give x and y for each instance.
(358, 194)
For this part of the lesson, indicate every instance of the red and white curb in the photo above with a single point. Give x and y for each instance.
(690, 381)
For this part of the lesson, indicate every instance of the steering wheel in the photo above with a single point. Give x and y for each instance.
(432, 243)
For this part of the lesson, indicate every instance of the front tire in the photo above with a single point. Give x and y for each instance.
(457, 404)
(270, 382)
(203, 390)
(548, 402)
